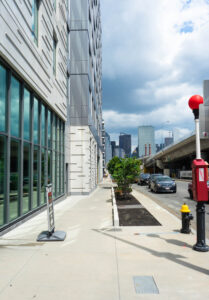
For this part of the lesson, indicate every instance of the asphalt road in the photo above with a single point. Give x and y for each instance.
(173, 202)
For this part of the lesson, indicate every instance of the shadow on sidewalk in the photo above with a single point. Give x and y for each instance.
(171, 241)
(170, 256)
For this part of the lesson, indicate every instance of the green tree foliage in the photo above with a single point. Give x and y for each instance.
(112, 163)
(124, 172)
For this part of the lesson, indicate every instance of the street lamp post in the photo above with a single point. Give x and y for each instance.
(199, 179)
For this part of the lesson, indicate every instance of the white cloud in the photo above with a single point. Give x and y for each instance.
(144, 37)
(143, 42)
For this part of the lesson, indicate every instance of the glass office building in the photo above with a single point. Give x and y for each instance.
(146, 140)
(31, 149)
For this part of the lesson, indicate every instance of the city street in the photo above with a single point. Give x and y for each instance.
(173, 202)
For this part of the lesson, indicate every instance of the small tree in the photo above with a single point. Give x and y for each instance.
(124, 171)
(112, 163)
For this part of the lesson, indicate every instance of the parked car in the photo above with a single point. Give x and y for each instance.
(191, 192)
(152, 176)
(163, 184)
(143, 178)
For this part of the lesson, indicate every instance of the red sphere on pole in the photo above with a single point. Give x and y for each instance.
(195, 101)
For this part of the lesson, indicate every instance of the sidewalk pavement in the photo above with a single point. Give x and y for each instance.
(99, 262)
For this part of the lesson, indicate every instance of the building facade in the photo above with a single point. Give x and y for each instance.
(33, 101)
(119, 152)
(113, 145)
(168, 141)
(85, 130)
(125, 143)
(108, 149)
(146, 140)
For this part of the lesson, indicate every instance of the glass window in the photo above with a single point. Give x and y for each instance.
(2, 175)
(35, 176)
(15, 104)
(14, 174)
(54, 174)
(54, 132)
(58, 174)
(61, 174)
(49, 129)
(26, 177)
(26, 129)
(49, 167)
(35, 8)
(43, 127)
(63, 138)
(2, 98)
(58, 134)
(35, 121)
(43, 175)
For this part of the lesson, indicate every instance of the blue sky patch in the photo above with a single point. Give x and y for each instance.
(186, 4)
(187, 27)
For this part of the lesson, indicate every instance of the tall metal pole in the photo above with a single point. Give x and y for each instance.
(197, 129)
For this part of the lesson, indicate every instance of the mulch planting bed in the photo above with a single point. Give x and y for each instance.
(132, 213)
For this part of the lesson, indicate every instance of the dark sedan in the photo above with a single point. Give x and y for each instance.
(163, 184)
(152, 177)
(143, 178)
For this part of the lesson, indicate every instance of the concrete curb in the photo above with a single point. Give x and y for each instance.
(115, 209)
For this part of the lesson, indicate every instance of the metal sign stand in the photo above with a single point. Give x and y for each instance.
(51, 234)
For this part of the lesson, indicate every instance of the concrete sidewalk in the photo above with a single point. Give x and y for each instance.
(99, 262)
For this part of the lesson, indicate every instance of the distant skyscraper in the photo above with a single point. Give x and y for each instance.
(119, 152)
(168, 141)
(146, 140)
(125, 143)
(113, 145)
(108, 148)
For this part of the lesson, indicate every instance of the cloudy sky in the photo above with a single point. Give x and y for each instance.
(155, 57)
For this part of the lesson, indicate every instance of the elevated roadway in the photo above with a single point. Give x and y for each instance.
(177, 157)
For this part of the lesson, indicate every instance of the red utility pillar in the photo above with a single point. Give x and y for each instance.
(149, 149)
(145, 149)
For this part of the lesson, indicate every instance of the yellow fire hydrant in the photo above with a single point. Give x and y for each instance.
(186, 217)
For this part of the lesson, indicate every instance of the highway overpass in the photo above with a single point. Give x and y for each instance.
(176, 157)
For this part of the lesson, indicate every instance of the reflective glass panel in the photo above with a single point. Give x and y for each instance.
(54, 132)
(49, 129)
(35, 176)
(35, 121)
(2, 166)
(26, 128)
(49, 167)
(43, 175)
(43, 126)
(2, 98)
(14, 174)
(61, 174)
(15, 104)
(58, 173)
(26, 177)
(58, 134)
(63, 138)
(54, 173)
